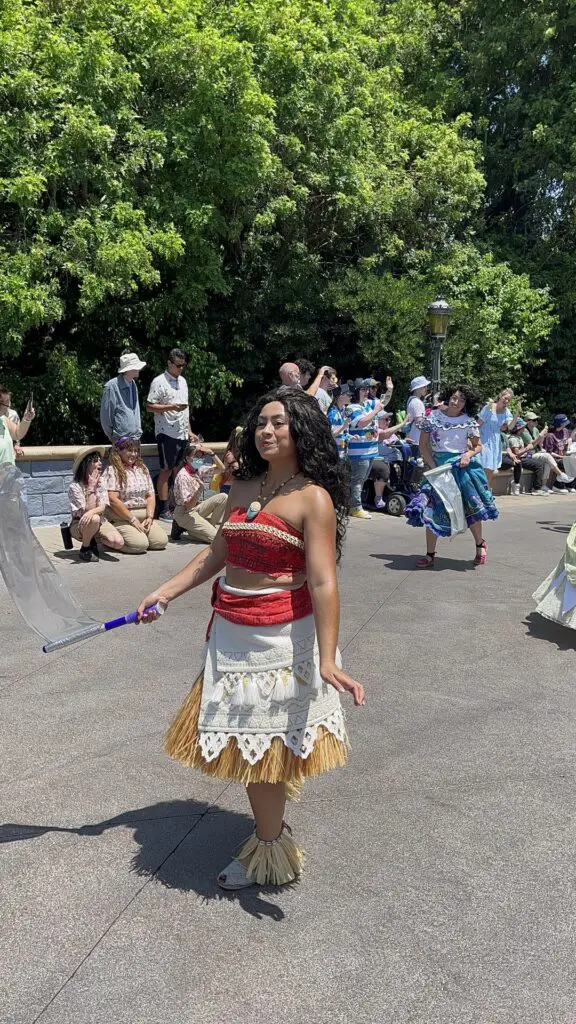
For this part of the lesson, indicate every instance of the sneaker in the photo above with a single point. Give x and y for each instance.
(563, 478)
(380, 503)
(515, 490)
(166, 517)
(559, 490)
(360, 513)
(546, 490)
(540, 494)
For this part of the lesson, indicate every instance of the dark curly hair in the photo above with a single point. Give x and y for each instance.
(472, 399)
(316, 450)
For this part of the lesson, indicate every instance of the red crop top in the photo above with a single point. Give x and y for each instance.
(267, 544)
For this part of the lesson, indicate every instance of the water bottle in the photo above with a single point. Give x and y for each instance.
(66, 536)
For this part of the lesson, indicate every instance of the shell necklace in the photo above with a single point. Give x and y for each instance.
(256, 506)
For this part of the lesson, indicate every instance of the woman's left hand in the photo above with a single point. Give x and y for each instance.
(147, 523)
(342, 682)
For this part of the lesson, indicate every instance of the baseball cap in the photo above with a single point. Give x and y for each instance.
(419, 382)
(370, 382)
(359, 383)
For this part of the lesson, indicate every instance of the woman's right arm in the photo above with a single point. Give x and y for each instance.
(426, 450)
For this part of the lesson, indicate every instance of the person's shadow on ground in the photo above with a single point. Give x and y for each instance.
(405, 563)
(187, 865)
(553, 525)
(72, 556)
(540, 628)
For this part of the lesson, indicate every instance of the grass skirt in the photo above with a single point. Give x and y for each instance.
(426, 507)
(260, 712)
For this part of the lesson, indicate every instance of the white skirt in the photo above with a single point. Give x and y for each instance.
(264, 682)
(556, 597)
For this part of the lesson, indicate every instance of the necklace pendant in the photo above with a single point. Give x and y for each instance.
(253, 509)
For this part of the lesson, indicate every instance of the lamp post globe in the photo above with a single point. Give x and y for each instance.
(439, 316)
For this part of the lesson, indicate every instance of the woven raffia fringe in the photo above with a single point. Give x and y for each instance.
(273, 863)
(278, 764)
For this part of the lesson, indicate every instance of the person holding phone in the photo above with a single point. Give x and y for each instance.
(199, 517)
(168, 400)
(12, 429)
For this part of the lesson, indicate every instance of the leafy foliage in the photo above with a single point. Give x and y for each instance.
(251, 181)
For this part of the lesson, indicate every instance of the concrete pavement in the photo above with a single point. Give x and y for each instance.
(440, 879)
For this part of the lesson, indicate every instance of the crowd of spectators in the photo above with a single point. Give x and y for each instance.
(120, 506)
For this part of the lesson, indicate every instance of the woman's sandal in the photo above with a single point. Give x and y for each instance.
(481, 550)
(427, 562)
(234, 877)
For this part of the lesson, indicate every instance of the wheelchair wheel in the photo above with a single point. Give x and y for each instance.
(395, 505)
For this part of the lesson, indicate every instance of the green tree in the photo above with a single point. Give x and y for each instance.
(226, 177)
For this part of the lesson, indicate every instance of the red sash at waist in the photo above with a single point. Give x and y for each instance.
(256, 609)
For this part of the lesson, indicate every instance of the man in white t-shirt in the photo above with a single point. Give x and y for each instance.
(168, 400)
(415, 408)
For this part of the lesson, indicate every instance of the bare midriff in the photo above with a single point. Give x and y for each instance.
(245, 580)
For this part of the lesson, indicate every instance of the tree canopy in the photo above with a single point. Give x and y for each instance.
(253, 181)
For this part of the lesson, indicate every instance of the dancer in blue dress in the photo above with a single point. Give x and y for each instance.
(492, 418)
(447, 433)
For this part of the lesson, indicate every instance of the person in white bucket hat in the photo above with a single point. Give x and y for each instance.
(415, 408)
(120, 405)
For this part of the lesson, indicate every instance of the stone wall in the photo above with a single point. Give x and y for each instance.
(48, 473)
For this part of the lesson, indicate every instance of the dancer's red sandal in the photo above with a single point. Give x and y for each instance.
(427, 562)
(481, 552)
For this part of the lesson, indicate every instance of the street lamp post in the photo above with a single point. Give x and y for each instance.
(439, 314)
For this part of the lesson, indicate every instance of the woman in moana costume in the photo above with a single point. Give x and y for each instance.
(265, 711)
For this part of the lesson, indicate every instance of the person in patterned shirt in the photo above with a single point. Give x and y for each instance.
(132, 499)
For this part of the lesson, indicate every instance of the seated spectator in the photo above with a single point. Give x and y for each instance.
(534, 439)
(338, 419)
(516, 458)
(88, 502)
(391, 449)
(556, 442)
(198, 518)
(132, 500)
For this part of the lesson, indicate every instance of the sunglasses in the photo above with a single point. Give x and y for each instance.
(179, 366)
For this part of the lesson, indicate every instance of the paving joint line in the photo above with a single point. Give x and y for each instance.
(376, 610)
(123, 910)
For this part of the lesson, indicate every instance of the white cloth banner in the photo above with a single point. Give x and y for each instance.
(441, 478)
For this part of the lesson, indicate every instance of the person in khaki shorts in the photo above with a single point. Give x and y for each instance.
(200, 519)
(88, 502)
(132, 500)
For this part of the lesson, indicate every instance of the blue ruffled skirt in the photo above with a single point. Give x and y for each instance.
(426, 507)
